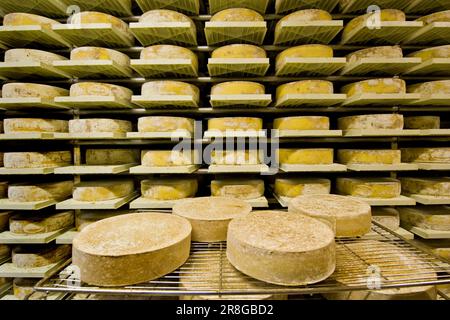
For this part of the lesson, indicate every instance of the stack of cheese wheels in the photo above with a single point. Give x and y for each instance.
(369, 187)
(388, 217)
(303, 51)
(26, 224)
(371, 121)
(39, 256)
(165, 124)
(349, 217)
(303, 16)
(402, 267)
(429, 89)
(97, 89)
(97, 53)
(362, 21)
(167, 158)
(32, 90)
(432, 218)
(28, 125)
(170, 88)
(164, 16)
(3, 189)
(167, 51)
(4, 220)
(99, 125)
(305, 156)
(31, 55)
(29, 192)
(362, 156)
(385, 52)
(85, 218)
(239, 51)
(237, 14)
(26, 19)
(210, 216)
(21, 160)
(427, 186)
(304, 87)
(235, 124)
(244, 189)
(442, 16)
(168, 188)
(237, 87)
(111, 156)
(432, 155)
(103, 190)
(423, 122)
(294, 187)
(121, 251)
(235, 157)
(432, 53)
(377, 86)
(302, 123)
(281, 248)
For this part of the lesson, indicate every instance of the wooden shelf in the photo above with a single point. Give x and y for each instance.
(26, 136)
(309, 100)
(436, 132)
(433, 166)
(94, 102)
(6, 204)
(95, 169)
(427, 233)
(240, 100)
(384, 99)
(431, 67)
(221, 33)
(304, 32)
(72, 204)
(305, 133)
(398, 201)
(177, 33)
(335, 167)
(430, 200)
(381, 133)
(433, 34)
(191, 7)
(238, 67)
(165, 68)
(434, 100)
(246, 168)
(177, 134)
(427, 6)
(93, 69)
(164, 170)
(380, 66)
(260, 202)
(209, 134)
(383, 167)
(165, 101)
(30, 70)
(31, 35)
(29, 103)
(66, 237)
(9, 270)
(8, 237)
(90, 136)
(310, 66)
(27, 171)
(219, 5)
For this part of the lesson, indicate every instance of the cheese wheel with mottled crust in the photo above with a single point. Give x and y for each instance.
(303, 16)
(31, 55)
(237, 14)
(371, 121)
(426, 217)
(168, 189)
(302, 123)
(294, 187)
(83, 89)
(429, 89)
(245, 189)
(99, 125)
(431, 53)
(32, 90)
(16, 125)
(430, 155)
(303, 51)
(305, 156)
(441, 16)
(26, 224)
(378, 86)
(166, 158)
(387, 216)
(16, 160)
(238, 87)
(111, 156)
(361, 156)
(239, 51)
(26, 19)
(423, 122)
(57, 191)
(235, 123)
(167, 51)
(384, 188)
(439, 187)
(38, 256)
(236, 157)
(98, 53)
(305, 87)
(103, 190)
(165, 124)
(385, 52)
(167, 87)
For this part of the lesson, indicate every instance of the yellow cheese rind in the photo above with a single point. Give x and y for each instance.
(166, 158)
(239, 51)
(26, 19)
(167, 87)
(386, 216)
(361, 156)
(100, 89)
(235, 157)
(97, 53)
(168, 189)
(442, 16)
(99, 125)
(235, 123)
(121, 251)
(386, 52)
(347, 216)
(165, 124)
(102, 190)
(302, 123)
(238, 87)
(434, 218)
(161, 16)
(378, 86)
(429, 89)
(427, 186)
(37, 159)
(83, 219)
(294, 187)
(237, 14)
(166, 51)
(35, 257)
(26, 224)
(431, 155)
(423, 122)
(371, 121)
(210, 216)
(281, 248)
(305, 156)
(369, 187)
(88, 17)
(111, 156)
(40, 192)
(31, 55)
(305, 87)
(16, 125)
(32, 90)
(245, 189)
(431, 53)
(303, 51)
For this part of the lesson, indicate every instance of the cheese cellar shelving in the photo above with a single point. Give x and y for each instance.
(202, 40)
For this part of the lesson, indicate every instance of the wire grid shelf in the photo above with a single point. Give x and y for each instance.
(208, 272)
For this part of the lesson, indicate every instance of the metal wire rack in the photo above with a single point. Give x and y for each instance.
(207, 271)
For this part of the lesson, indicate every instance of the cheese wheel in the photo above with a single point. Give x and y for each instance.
(431, 53)
(16, 125)
(26, 19)
(32, 90)
(378, 86)
(369, 187)
(442, 16)
(121, 251)
(238, 87)
(90, 17)
(429, 89)
(168, 189)
(31, 55)
(111, 156)
(431, 155)
(239, 51)
(303, 51)
(281, 248)
(427, 186)
(40, 192)
(83, 219)
(103, 190)
(165, 124)
(100, 89)
(26, 224)
(210, 216)
(161, 16)
(39, 256)
(388, 217)
(18, 160)
(355, 156)
(302, 123)
(371, 121)
(235, 157)
(167, 51)
(166, 158)
(3, 189)
(302, 16)
(364, 20)
(4, 250)
(24, 287)
(348, 216)
(97, 53)
(294, 187)
(99, 125)
(423, 122)
(385, 52)
(237, 14)
(235, 123)
(305, 87)
(245, 189)
(305, 156)
(426, 217)
(4, 220)
(166, 87)
(440, 247)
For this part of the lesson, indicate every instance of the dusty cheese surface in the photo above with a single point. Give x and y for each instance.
(98, 53)
(111, 156)
(239, 51)
(431, 155)
(238, 87)
(16, 125)
(26, 224)
(431, 53)
(429, 89)
(85, 218)
(164, 124)
(387, 216)
(369, 187)
(385, 52)
(302, 123)
(238, 188)
(37, 159)
(35, 257)
(305, 156)
(371, 121)
(26, 19)
(237, 14)
(100, 89)
(31, 55)
(304, 87)
(161, 16)
(97, 125)
(88, 17)
(59, 190)
(235, 123)
(427, 186)
(167, 51)
(378, 86)
(167, 87)
(294, 187)
(303, 16)
(362, 156)
(166, 158)
(423, 122)
(236, 157)
(32, 90)
(102, 190)
(426, 217)
(168, 188)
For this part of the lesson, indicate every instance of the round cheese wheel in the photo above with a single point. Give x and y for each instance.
(167, 87)
(121, 251)
(210, 216)
(102, 190)
(111, 156)
(166, 51)
(166, 158)
(432, 155)
(303, 51)
(305, 87)
(39, 256)
(379, 86)
(423, 122)
(88, 17)
(295, 187)
(15, 125)
(361, 156)
(431, 53)
(237, 14)
(26, 224)
(161, 16)
(168, 189)
(428, 89)
(347, 216)
(302, 123)
(238, 87)
(239, 51)
(31, 55)
(442, 16)
(371, 121)
(26, 19)
(83, 219)
(32, 90)
(100, 89)
(235, 123)
(164, 124)
(305, 156)
(24, 287)
(426, 217)
(439, 187)
(244, 189)
(388, 217)
(281, 248)
(236, 157)
(386, 52)
(303, 16)
(40, 192)
(97, 53)
(384, 188)
(99, 125)
(37, 159)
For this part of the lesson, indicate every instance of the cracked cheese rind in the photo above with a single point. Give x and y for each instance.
(305, 156)
(31, 55)
(378, 86)
(103, 190)
(32, 90)
(165, 124)
(37, 159)
(168, 188)
(40, 192)
(302, 123)
(26, 224)
(369, 187)
(16, 125)
(111, 156)
(426, 186)
(426, 217)
(35, 257)
(423, 122)
(429, 89)
(235, 123)
(83, 89)
(238, 87)
(430, 155)
(239, 51)
(166, 158)
(371, 121)
(245, 189)
(389, 217)
(294, 187)
(361, 156)
(99, 125)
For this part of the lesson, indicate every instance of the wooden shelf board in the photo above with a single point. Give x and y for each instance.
(380, 66)
(26, 136)
(313, 100)
(238, 67)
(225, 32)
(90, 136)
(6, 204)
(164, 170)
(310, 66)
(429, 200)
(436, 132)
(433, 34)
(385, 99)
(8, 237)
(94, 102)
(434, 67)
(29, 103)
(335, 167)
(240, 100)
(27, 171)
(303, 32)
(427, 233)
(93, 69)
(260, 202)
(433, 166)
(153, 68)
(166, 101)
(9, 270)
(398, 201)
(305, 133)
(435, 100)
(383, 167)
(247, 168)
(177, 134)
(66, 237)
(72, 204)
(95, 169)
(176, 33)
(30, 70)
(23, 36)
(381, 132)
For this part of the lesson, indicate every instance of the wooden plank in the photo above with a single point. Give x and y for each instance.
(304, 32)
(434, 67)
(240, 100)
(177, 134)
(310, 100)
(434, 100)
(310, 66)
(176, 33)
(383, 167)
(436, 132)
(6, 204)
(246, 168)
(31, 35)
(260, 202)
(165, 101)
(95, 169)
(384, 99)
(8, 237)
(335, 167)
(433, 34)
(90, 136)
(380, 66)
(430, 200)
(293, 5)
(72, 204)
(94, 102)
(26, 171)
(283, 201)
(225, 32)
(305, 133)
(155, 68)
(427, 233)
(238, 67)
(191, 7)
(30, 70)
(66, 237)
(9, 270)
(26, 136)
(381, 132)
(234, 134)
(29, 103)
(93, 69)
(398, 201)
(433, 166)
(164, 170)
